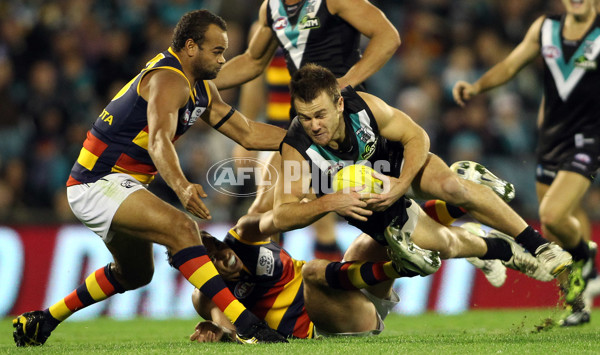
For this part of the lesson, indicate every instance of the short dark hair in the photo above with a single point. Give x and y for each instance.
(194, 25)
(312, 79)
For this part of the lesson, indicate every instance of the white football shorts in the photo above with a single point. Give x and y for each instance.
(95, 204)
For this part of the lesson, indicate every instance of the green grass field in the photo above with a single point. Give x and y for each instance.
(475, 332)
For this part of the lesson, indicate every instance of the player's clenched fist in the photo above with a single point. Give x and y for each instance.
(463, 91)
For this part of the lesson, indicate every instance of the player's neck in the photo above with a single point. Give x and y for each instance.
(577, 25)
(339, 138)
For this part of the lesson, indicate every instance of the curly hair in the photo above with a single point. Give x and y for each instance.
(194, 25)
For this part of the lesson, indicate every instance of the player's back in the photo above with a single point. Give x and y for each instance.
(271, 285)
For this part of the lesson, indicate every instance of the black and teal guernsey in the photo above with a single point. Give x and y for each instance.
(118, 140)
(271, 286)
(366, 146)
(313, 35)
(571, 90)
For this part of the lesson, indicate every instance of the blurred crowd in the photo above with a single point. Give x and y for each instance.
(62, 61)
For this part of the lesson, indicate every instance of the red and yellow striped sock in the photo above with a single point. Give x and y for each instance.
(441, 212)
(196, 267)
(354, 275)
(97, 287)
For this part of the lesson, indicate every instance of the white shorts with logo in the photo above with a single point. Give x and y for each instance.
(95, 204)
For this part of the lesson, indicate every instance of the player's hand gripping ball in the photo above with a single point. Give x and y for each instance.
(357, 175)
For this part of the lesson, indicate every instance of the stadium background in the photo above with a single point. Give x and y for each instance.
(62, 61)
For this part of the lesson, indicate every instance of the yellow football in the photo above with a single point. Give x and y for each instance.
(357, 175)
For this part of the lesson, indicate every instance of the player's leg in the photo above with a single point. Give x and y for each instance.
(436, 180)
(147, 217)
(559, 203)
(326, 246)
(457, 242)
(327, 306)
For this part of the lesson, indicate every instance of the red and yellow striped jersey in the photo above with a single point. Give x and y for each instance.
(271, 286)
(118, 140)
(277, 78)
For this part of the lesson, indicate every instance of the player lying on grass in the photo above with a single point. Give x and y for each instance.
(305, 299)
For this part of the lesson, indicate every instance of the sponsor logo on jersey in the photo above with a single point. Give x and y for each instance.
(584, 63)
(336, 166)
(551, 51)
(266, 262)
(584, 158)
(369, 150)
(365, 135)
(280, 23)
(243, 289)
(189, 118)
(307, 23)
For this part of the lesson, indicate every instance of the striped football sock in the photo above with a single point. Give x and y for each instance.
(441, 212)
(97, 287)
(353, 275)
(196, 267)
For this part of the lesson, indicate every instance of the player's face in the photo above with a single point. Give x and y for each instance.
(210, 60)
(321, 118)
(228, 264)
(579, 7)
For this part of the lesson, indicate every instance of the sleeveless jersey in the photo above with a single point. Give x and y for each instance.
(367, 147)
(271, 286)
(314, 36)
(118, 140)
(277, 79)
(571, 86)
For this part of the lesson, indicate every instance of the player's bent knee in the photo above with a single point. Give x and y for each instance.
(454, 190)
(132, 279)
(185, 233)
(447, 245)
(313, 272)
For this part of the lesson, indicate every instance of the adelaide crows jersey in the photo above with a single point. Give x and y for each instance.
(571, 87)
(271, 286)
(277, 79)
(310, 34)
(365, 146)
(118, 140)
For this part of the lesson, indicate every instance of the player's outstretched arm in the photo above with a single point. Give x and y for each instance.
(250, 64)
(502, 72)
(216, 326)
(384, 39)
(166, 92)
(249, 134)
(295, 203)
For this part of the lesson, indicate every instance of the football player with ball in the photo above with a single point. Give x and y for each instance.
(336, 128)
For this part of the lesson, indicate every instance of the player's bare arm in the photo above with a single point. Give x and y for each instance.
(256, 227)
(502, 72)
(295, 208)
(396, 126)
(249, 134)
(250, 64)
(166, 92)
(384, 39)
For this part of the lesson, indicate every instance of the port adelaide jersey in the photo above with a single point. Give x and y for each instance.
(308, 33)
(118, 140)
(571, 86)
